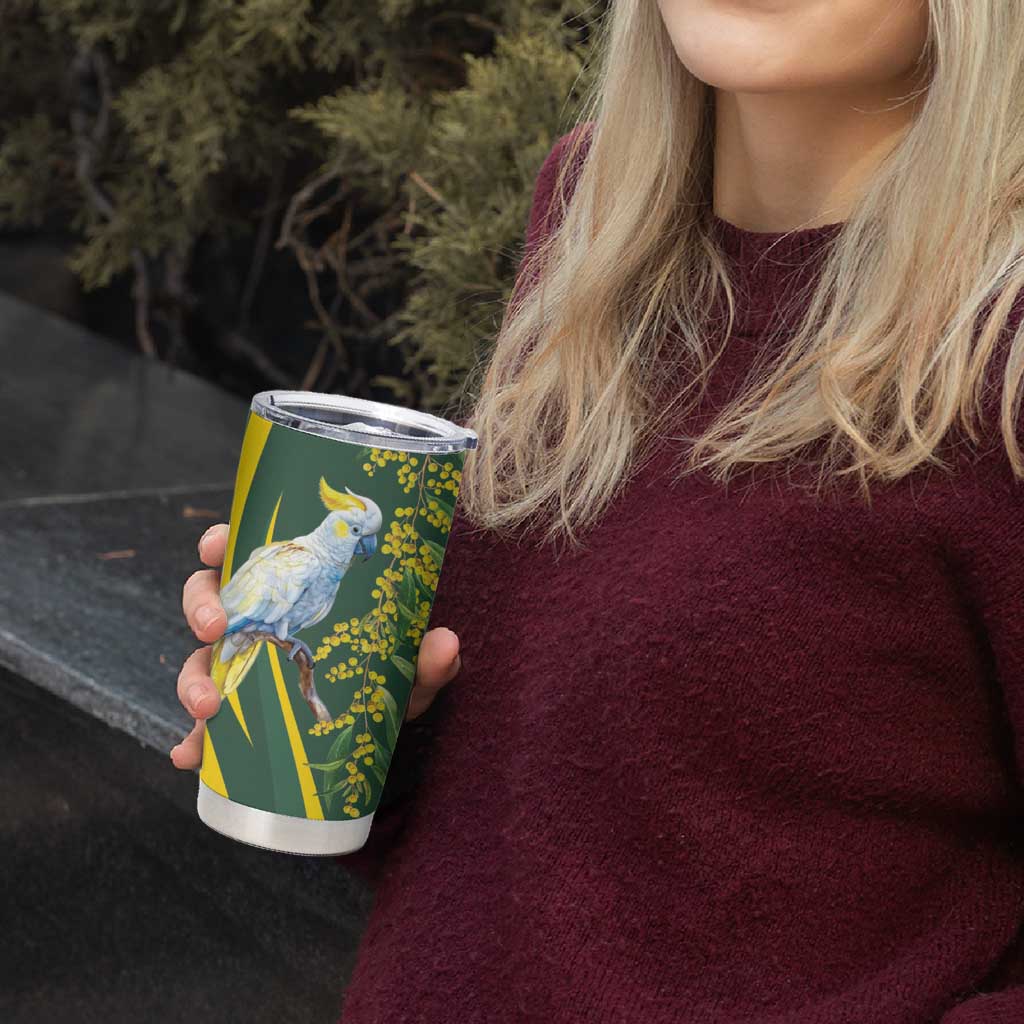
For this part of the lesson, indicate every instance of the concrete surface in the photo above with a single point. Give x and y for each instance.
(111, 467)
(120, 905)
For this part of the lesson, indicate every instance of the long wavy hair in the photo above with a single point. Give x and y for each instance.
(890, 352)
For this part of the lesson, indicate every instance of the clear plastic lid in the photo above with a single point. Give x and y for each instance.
(361, 421)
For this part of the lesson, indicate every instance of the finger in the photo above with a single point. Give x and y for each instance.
(200, 601)
(438, 659)
(213, 544)
(438, 662)
(196, 689)
(189, 752)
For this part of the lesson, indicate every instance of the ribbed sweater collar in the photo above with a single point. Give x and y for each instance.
(767, 266)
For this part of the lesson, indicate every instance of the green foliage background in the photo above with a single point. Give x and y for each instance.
(329, 195)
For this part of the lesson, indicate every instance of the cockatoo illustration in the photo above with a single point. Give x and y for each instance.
(289, 585)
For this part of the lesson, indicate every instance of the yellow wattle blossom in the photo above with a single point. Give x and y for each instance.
(402, 593)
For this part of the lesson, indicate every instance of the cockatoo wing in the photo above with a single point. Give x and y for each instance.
(321, 613)
(268, 585)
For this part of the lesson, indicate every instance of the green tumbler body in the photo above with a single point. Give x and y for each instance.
(339, 523)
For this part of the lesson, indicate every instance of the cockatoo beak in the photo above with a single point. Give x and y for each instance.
(367, 546)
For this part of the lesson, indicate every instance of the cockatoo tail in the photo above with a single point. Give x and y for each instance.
(339, 521)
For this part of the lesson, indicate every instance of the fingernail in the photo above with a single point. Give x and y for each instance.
(196, 695)
(205, 616)
(203, 539)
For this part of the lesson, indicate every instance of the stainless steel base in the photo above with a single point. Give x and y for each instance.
(281, 832)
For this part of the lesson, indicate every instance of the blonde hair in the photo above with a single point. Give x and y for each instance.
(888, 355)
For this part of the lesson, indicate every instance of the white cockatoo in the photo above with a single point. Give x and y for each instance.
(289, 585)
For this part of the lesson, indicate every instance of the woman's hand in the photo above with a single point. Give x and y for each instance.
(438, 662)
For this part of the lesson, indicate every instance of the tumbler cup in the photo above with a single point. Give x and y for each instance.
(339, 521)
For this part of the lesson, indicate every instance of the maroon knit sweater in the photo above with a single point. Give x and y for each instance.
(750, 757)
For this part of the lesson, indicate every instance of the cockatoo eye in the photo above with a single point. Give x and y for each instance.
(355, 529)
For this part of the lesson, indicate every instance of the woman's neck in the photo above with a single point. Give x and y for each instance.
(795, 160)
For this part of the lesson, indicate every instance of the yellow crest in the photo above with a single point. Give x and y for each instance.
(338, 502)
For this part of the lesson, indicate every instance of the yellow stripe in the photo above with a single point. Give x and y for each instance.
(256, 433)
(236, 706)
(211, 773)
(257, 430)
(273, 520)
(306, 783)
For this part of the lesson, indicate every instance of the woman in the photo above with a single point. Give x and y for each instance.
(734, 755)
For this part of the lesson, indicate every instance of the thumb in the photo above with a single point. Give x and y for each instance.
(438, 663)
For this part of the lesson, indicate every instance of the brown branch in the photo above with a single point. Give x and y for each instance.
(336, 245)
(428, 188)
(305, 667)
(286, 238)
(311, 213)
(335, 252)
(237, 344)
(435, 53)
(314, 368)
(88, 144)
(410, 213)
(330, 328)
(261, 248)
(298, 216)
(476, 20)
(140, 293)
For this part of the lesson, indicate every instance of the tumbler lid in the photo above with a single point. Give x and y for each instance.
(361, 421)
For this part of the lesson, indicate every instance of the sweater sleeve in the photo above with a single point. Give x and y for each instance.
(414, 737)
(989, 552)
(1005, 1007)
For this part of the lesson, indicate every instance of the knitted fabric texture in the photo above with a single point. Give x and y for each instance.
(749, 757)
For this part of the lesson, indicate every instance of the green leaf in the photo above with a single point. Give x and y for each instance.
(329, 766)
(424, 592)
(387, 629)
(402, 622)
(344, 737)
(336, 788)
(407, 589)
(405, 599)
(379, 772)
(405, 667)
(436, 551)
(407, 610)
(448, 507)
(391, 722)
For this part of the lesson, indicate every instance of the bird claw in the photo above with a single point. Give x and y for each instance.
(297, 646)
